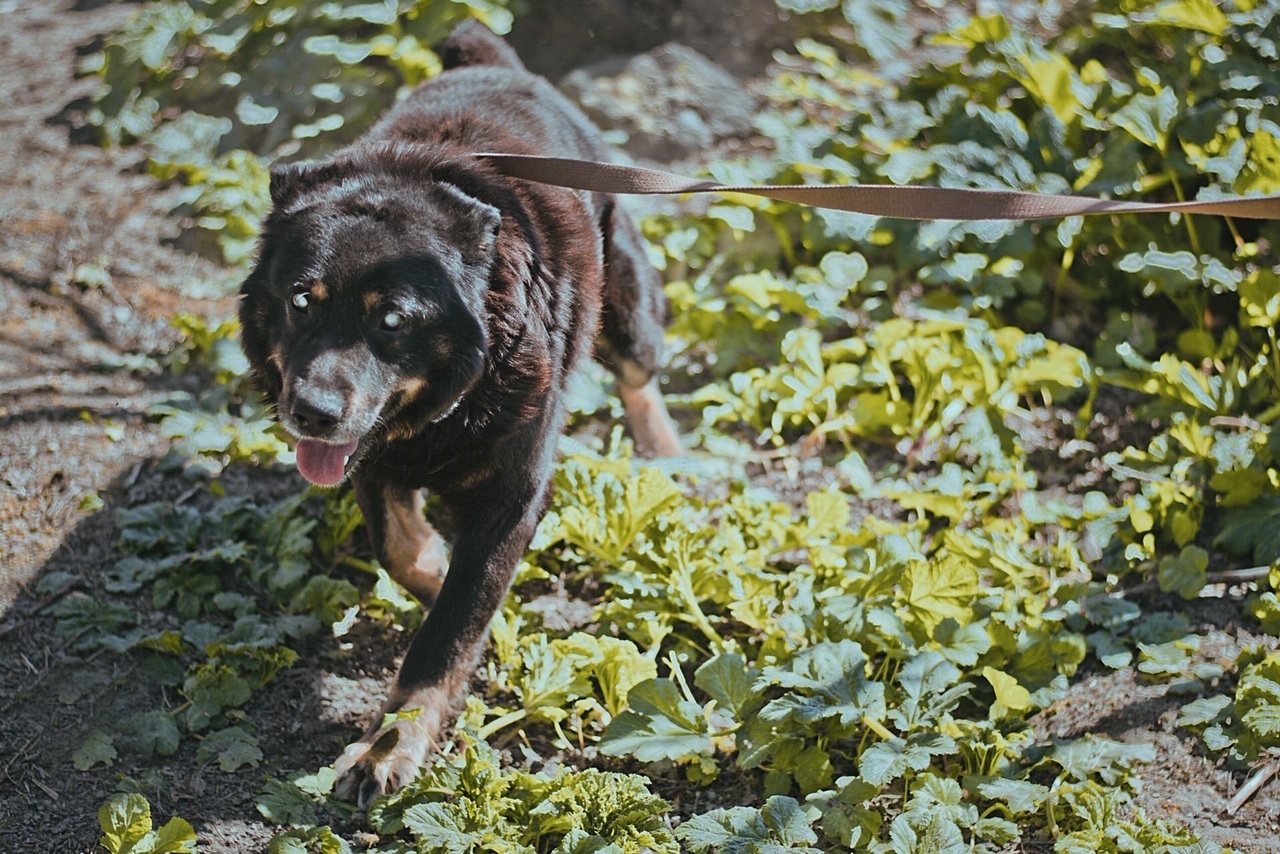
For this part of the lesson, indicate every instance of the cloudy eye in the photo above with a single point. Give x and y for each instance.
(392, 320)
(301, 300)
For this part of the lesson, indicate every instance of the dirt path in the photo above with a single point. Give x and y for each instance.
(86, 282)
(87, 287)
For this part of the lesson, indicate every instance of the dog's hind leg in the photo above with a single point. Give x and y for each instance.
(633, 320)
(410, 550)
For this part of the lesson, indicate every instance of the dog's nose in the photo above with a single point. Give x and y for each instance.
(317, 412)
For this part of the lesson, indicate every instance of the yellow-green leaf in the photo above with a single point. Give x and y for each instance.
(1202, 15)
(1009, 694)
(940, 589)
(1048, 79)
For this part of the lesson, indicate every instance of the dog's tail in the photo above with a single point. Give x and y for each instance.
(472, 43)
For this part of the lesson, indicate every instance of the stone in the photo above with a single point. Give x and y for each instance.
(671, 102)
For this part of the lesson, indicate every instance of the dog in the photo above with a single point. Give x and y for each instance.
(413, 315)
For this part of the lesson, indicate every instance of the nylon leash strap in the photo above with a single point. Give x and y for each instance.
(886, 200)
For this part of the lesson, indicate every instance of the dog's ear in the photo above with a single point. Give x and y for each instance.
(289, 180)
(475, 224)
(285, 180)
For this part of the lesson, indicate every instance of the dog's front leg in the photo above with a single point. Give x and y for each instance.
(435, 673)
(409, 549)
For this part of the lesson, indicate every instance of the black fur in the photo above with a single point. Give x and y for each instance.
(411, 304)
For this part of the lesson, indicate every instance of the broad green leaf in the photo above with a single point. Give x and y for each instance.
(1049, 79)
(933, 833)
(931, 688)
(1202, 15)
(384, 12)
(1084, 757)
(788, 822)
(604, 513)
(1149, 117)
(127, 829)
(553, 675)
(314, 840)
(1253, 531)
(938, 590)
(980, 29)
(962, 644)
(661, 724)
(619, 668)
(1022, 796)
(1171, 658)
(728, 680)
(347, 53)
(233, 747)
(1010, 695)
(125, 822)
(1203, 711)
(282, 802)
(1110, 650)
(98, 747)
(436, 827)
(1185, 574)
(845, 818)
(779, 824)
(176, 837)
(885, 761)
(843, 270)
(151, 734)
(825, 681)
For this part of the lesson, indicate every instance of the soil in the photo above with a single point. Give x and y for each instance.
(76, 444)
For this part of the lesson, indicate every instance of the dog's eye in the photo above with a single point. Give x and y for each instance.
(392, 320)
(301, 300)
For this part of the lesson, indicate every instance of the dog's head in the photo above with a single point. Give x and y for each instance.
(363, 317)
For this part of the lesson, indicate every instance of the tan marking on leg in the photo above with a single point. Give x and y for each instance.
(651, 425)
(411, 387)
(414, 552)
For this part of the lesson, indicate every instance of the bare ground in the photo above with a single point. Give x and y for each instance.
(64, 336)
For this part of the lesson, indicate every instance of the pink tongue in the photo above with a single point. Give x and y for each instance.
(321, 463)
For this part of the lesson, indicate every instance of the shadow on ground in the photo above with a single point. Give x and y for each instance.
(57, 694)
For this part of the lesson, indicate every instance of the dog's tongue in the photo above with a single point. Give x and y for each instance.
(321, 463)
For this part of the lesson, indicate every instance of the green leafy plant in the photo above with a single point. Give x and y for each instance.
(231, 580)
(216, 89)
(127, 829)
(1246, 727)
(472, 801)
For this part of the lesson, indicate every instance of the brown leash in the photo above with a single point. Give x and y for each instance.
(885, 200)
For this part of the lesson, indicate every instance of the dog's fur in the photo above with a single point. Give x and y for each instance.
(414, 316)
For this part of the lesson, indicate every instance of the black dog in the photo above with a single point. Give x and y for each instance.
(414, 316)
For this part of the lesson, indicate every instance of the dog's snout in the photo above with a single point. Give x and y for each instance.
(318, 411)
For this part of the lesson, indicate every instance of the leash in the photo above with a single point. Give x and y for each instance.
(886, 200)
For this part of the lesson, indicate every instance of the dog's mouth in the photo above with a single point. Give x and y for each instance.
(324, 463)
(327, 461)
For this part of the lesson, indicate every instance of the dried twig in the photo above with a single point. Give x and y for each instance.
(53, 796)
(1252, 785)
(1226, 576)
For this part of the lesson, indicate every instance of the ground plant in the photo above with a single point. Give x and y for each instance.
(898, 537)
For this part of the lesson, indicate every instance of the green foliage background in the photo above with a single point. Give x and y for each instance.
(867, 654)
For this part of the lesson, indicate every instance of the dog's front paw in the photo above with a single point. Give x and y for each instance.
(380, 763)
